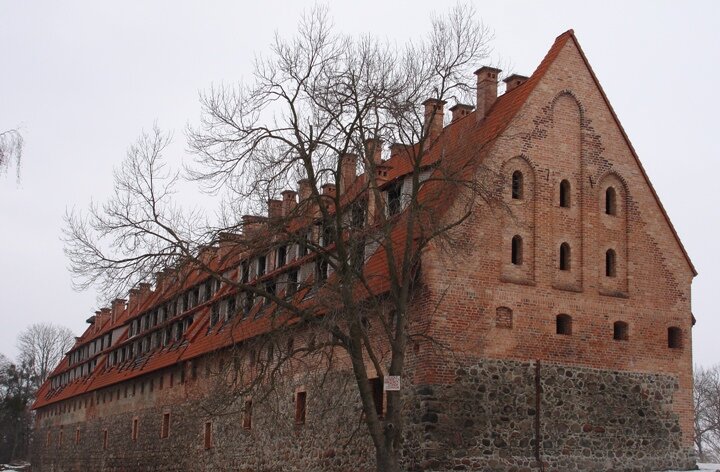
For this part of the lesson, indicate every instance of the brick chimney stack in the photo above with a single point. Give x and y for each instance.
(373, 150)
(487, 81)
(116, 308)
(514, 81)
(434, 114)
(275, 209)
(460, 111)
(348, 172)
(289, 201)
(304, 189)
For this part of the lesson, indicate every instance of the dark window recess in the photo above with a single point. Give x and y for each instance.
(394, 195)
(565, 194)
(516, 256)
(281, 256)
(300, 407)
(564, 256)
(357, 216)
(165, 430)
(247, 415)
(376, 385)
(135, 429)
(245, 269)
(610, 201)
(208, 435)
(610, 263)
(517, 185)
(674, 337)
(620, 331)
(215, 315)
(292, 283)
(563, 325)
(321, 270)
(231, 306)
(270, 287)
(248, 302)
(261, 266)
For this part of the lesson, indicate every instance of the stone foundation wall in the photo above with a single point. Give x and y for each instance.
(487, 420)
(589, 420)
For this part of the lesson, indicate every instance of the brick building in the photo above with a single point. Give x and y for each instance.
(568, 313)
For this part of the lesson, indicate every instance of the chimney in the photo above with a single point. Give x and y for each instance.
(116, 308)
(348, 172)
(487, 78)
(275, 209)
(373, 150)
(159, 281)
(304, 189)
(460, 111)
(434, 112)
(328, 189)
(144, 291)
(251, 224)
(133, 296)
(288, 201)
(514, 81)
(206, 253)
(101, 316)
(396, 148)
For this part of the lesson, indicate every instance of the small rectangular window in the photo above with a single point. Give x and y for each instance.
(208, 435)
(77, 436)
(165, 429)
(247, 417)
(135, 424)
(300, 408)
(105, 439)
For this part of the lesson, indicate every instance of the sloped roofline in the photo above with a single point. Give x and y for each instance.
(632, 150)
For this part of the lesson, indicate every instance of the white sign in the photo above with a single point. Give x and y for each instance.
(392, 383)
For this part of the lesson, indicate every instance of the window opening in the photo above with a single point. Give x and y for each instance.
(565, 194)
(563, 325)
(517, 185)
(300, 407)
(674, 337)
(610, 201)
(620, 331)
(516, 256)
(610, 263)
(564, 256)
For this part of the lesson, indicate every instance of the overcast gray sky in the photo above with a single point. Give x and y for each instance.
(82, 78)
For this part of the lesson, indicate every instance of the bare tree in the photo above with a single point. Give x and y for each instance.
(707, 413)
(319, 109)
(11, 147)
(42, 346)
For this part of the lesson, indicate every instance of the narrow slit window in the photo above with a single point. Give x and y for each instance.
(105, 439)
(564, 256)
(565, 194)
(610, 269)
(563, 325)
(516, 256)
(165, 429)
(247, 417)
(620, 331)
(300, 408)
(135, 424)
(674, 337)
(207, 436)
(610, 201)
(517, 185)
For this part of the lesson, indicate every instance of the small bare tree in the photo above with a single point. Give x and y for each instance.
(11, 147)
(318, 111)
(42, 346)
(707, 413)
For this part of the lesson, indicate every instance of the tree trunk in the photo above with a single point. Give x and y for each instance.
(387, 461)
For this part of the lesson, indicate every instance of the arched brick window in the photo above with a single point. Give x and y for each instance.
(565, 194)
(610, 263)
(620, 331)
(563, 324)
(674, 337)
(516, 256)
(610, 201)
(564, 256)
(517, 185)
